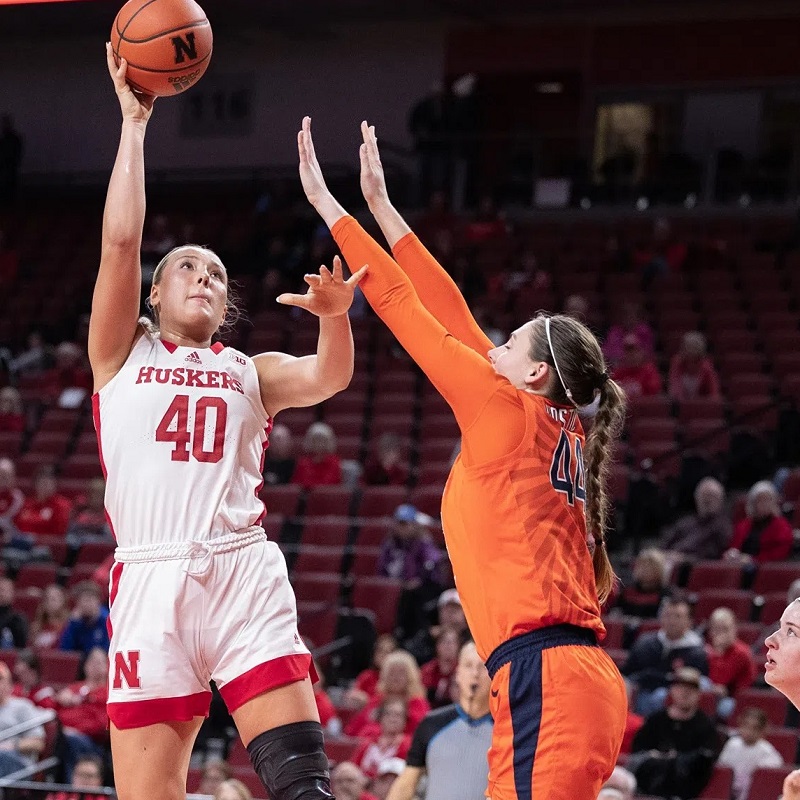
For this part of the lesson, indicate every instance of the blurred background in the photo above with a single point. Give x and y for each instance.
(636, 165)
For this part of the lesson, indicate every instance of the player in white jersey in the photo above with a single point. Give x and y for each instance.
(197, 591)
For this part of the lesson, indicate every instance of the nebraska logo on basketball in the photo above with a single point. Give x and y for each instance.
(126, 667)
(184, 47)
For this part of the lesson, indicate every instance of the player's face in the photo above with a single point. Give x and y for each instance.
(783, 652)
(472, 678)
(193, 291)
(512, 360)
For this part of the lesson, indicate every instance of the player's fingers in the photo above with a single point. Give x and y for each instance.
(338, 274)
(325, 274)
(309, 138)
(287, 299)
(356, 277)
(313, 280)
(363, 157)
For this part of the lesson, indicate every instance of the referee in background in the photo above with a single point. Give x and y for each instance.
(450, 744)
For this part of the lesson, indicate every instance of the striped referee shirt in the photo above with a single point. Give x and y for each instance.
(451, 746)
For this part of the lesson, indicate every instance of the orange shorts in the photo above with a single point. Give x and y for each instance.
(559, 708)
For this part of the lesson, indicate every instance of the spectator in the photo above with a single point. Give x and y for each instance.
(215, 772)
(52, 615)
(704, 534)
(663, 256)
(622, 781)
(610, 793)
(319, 466)
(451, 615)
(408, 553)
(47, 513)
(388, 772)
(328, 717)
(730, 665)
(388, 739)
(488, 225)
(399, 680)
(654, 656)
(366, 683)
(451, 743)
(23, 750)
(577, 306)
(764, 535)
(748, 750)
(13, 626)
(232, 789)
(12, 416)
(89, 522)
(636, 371)
(70, 381)
(386, 466)
(630, 326)
(81, 709)
(34, 359)
(691, 372)
(642, 599)
(674, 752)
(87, 774)
(10, 160)
(280, 462)
(11, 499)
(348, 782)
(87, 627)
(28, 672)
(438, 673)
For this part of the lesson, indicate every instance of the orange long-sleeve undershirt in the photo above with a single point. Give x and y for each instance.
(480, 398)
(439, 293)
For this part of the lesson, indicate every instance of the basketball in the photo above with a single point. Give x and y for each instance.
(167, 44)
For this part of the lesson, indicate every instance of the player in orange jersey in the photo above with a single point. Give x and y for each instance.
(517, 501)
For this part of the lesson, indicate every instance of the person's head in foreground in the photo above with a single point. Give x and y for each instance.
(87, 773)
(388, 771)
(560, 358)
(231, 789)
(752, 724)
(621, 781)
(783, 655)
(684, 692)
(348, 781)
(472, 680)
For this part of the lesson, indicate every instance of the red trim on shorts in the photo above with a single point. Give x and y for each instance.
(138, 713)
(115, 575)
(217, 348)
(264, 677)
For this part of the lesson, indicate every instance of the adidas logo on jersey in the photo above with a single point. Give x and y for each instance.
(193, 358)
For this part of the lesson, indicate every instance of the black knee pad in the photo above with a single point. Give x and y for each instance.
(291, 762)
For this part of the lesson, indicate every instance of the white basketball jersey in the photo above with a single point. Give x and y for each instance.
(182, 435)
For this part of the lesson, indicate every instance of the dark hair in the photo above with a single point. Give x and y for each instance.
(581, 370)
(233, 302)
(31, 660)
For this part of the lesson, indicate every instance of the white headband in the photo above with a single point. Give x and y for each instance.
(555, 363)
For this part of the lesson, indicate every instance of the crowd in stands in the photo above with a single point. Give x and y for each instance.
(691, 648)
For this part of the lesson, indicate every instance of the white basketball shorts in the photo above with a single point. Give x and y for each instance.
(184, 613)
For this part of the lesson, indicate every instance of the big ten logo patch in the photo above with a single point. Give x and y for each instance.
(182, 82)
(126, 668)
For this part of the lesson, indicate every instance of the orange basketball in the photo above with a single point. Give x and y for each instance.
(167, 44)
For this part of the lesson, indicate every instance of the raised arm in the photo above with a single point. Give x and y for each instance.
(465, 379)
(115, 304)
(289, 382)
(435, 288)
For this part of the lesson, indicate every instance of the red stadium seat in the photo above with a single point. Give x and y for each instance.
(281, 499)
(350, 401)
(27, 604)
(619, 483)
(440, 426)
(791, 487)
(82, 467)
(749, 384)
(772, 702)
(739, 601)
(652, 430)
(658, 406)
(340, 748)
(784, 740)
(365, 561)
(428, 499)
(706, 436)
(758, 412)
(399, 424)
(767, 783)
(325, 531)
(36, 576)
(381, 501)
(665, 458)
(380, 595)
(714, 575)
(705, 408)
(10, 444)
(95, 552)
(57, 545)
(298, 419)
(775, 577)
(317, 587)
(59, 666)
(315, 558)
(615, 628)
(346, 424)
(749, 632)
(434, 472)
(373, 532)
(59, 420)
(329, 501)
(50, 443)
(437, 449)
(317, 625)
(393, 403)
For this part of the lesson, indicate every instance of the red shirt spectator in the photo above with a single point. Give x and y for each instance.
(763, 539)
(386, 466)
(12, 416)
(325, 707)
(691, 373)
(28, 672)
(390, 740)
(46, 513)
(437, 674)
(365, 724)
(636, 373)
(320, 466)
(11, 498)
(632, 724)
(366, 683)
(82, 705)
(730, 662)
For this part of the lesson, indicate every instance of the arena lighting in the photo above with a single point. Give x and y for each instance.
(642, 204)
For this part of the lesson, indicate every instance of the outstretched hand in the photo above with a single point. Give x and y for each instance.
(791, 786)
(310, 171)
(373, 181)
(329, 294)
(135, 105)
